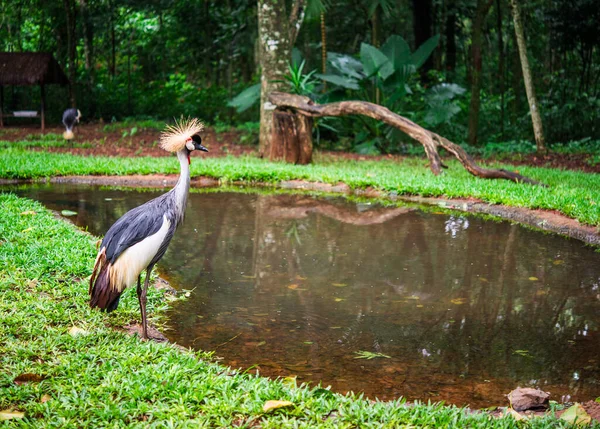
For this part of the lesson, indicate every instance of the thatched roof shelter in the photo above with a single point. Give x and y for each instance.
(29, 68)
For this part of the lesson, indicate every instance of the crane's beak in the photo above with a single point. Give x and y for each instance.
(200, 147)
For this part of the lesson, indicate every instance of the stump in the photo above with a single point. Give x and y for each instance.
(291, 140)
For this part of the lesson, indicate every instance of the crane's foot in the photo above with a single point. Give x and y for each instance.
(152, 333)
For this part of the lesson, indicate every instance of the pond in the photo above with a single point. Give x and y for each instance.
(391, 302)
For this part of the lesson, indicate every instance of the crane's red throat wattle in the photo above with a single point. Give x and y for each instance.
(189, 159)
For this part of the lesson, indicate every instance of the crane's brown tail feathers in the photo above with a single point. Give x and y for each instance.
(102, 293)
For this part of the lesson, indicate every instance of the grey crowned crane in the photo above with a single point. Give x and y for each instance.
(138, 239)
(70, 118)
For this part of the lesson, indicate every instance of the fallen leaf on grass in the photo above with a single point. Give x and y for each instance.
(74, 331)
(28, 213)
(8, 415)
(45, 398)
(273, 405)
(576, 415)
(515, 415)
(28, 378)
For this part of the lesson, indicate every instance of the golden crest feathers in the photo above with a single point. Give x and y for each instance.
(173, 138)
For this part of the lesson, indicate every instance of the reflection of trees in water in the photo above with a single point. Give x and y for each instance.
(442, 303)
(485, 268)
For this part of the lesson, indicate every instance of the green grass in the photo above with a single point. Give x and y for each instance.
(46, 142)
(138, 124)
(105, 378)
(575, 194)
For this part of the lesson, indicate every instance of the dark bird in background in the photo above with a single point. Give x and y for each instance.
(138, 240)
(70, 118)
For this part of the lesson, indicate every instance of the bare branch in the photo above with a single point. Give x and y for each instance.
(430, 141)
(296, 19)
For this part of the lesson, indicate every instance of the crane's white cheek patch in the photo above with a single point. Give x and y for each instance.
(189, 145)
(134, 260)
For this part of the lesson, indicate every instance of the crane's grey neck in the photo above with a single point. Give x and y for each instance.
(183, 184)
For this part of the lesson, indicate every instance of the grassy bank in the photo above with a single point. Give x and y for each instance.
(575, 194)
(98, 376)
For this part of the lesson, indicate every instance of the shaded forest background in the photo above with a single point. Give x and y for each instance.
(165, 58)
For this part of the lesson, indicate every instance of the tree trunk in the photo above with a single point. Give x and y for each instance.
(483, 6)
(323, 45)
(88, 52)
(451, 41)
(296, 19)
(375, 37)
(422, 28)
(275, 52)
(529, 87)
(71, 47)
(113, 56)
(500, 64)
(207, 34)
(292, 138)
(430, 141)
(376, 26)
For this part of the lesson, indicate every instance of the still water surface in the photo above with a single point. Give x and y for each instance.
(464, 309)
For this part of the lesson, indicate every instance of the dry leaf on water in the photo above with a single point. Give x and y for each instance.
(273, 405)
(9, 415)
(533, 279)
(576, 415)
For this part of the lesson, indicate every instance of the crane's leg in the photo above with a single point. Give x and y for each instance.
(142, 298)
(142, 304)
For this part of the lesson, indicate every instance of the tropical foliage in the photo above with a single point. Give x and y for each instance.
(156, 60)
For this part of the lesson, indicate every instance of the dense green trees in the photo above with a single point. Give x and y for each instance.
(163, 58)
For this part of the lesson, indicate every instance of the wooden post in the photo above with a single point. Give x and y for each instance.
(43, 94)
(1, 105)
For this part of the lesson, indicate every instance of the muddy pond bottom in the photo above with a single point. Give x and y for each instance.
(400, 301)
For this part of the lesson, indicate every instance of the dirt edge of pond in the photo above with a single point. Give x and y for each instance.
(544, 220)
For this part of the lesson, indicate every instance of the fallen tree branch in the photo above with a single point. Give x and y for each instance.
(430, 140)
